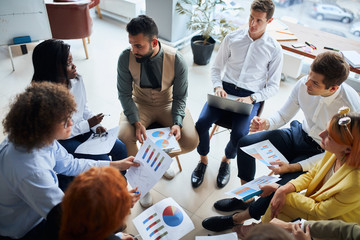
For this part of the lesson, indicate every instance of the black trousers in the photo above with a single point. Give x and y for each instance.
(292, 142)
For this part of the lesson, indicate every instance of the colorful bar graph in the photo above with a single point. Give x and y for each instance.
(156, 230)
(152, 153)
(162, 235)
(264, 147)
(146, 220)
(152, 164)
(146, 151)
(156, 168)
(153, 224)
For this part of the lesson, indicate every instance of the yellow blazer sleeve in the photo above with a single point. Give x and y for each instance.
(303, 181)
(344, 201)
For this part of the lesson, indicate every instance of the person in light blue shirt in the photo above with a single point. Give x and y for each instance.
(31, 157)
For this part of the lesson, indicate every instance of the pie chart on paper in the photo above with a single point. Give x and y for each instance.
(162, 143)
(172, 216)
(158, 134)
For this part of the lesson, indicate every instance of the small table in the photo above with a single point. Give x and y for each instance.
(320, 40)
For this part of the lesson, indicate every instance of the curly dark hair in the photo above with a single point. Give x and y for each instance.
(33, 114)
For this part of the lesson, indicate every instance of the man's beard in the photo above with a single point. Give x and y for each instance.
(145, 57)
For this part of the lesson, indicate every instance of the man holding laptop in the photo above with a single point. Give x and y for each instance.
(250, 61)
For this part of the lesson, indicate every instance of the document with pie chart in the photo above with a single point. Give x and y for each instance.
(153, 164)
(164, 220)
(160, 136)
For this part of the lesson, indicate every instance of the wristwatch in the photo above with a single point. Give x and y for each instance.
(253, 98)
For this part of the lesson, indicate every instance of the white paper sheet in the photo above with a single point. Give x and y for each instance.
(251, 188)
(164, 220)
(160, 136)
(228, 236)
(99, 145)
(153, 164)
(265, 152)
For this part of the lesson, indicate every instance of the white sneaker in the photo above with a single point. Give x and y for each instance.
(146, 201)
(169, 174)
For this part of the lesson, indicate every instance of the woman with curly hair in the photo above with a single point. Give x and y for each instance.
(53, 62)
(95, 206)
(30, 158)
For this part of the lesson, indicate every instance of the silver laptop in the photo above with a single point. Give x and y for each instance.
(229, 104)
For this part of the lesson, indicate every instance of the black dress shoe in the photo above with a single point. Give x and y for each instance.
(231, 204)
(219, 223)
(197, 176)
(223, 176)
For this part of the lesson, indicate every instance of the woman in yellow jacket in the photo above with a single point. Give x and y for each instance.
(333, 185)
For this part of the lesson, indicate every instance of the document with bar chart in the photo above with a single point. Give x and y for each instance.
(164, 220)
(160, 136)
(265, 152)
(153, 164)
(252, 188)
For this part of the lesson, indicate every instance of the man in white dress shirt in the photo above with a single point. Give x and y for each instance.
(248, 65)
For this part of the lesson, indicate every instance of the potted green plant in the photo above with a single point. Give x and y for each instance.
(203, 19)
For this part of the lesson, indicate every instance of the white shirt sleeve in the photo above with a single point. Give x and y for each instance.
(274, 76)
(220, 62)
(288, 111)
(309, 163)
(83, 113)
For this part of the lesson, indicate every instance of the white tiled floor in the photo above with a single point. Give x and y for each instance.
(99, 73)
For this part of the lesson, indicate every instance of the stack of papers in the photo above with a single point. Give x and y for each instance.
(352, 58)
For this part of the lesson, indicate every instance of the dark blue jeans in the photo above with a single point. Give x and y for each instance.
(118, 152)
(292, 142)
(240, 123)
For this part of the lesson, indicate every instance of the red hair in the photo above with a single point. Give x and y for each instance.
(95, 205)
(341, 136)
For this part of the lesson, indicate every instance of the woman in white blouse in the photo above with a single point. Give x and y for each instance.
(52, 61)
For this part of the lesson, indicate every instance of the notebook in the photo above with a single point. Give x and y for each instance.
(352, 57)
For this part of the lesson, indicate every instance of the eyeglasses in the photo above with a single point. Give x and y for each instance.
(344, 121)
(102, 136)
(67, 122)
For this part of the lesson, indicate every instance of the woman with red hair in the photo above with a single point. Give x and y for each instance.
(332, 186)
(95, 205)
